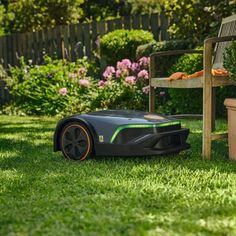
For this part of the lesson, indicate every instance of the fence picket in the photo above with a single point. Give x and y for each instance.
(50, 42)
(136, 22)
(34, 48)
(9, 50)
(87, 41)
(19, 47)
(155, 29)
(58, 42)
(79, 44)
(127, 22)
(72, 41)
(94, 36)
(164, 27)
(40, 46)
(5, 55)
(145, 22)
(102, 27)
(1, 51)
(30, 46)
(118, 23)
(110, 25)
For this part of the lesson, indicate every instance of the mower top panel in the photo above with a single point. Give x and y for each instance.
(108, 123)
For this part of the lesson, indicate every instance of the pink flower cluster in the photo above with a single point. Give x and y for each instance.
(146, 89)
(84, 82)
(124, 64)
(131, 80)
(144, 61)
(127, 71)
(63, 91)
(143, 74)
(134, 67)
(108, 73)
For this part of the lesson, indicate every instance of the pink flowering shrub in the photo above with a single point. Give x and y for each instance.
(128, 73)
(124, 86)
(60, 87)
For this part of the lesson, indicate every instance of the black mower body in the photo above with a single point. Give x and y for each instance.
(129, 133)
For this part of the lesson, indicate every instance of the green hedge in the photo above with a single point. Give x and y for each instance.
(120, 44)
(164, 63)
(147, 49)
(230, 60)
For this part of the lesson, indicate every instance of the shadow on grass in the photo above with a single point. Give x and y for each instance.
(25, 156)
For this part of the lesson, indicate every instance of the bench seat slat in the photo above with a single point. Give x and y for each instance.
(189, 83)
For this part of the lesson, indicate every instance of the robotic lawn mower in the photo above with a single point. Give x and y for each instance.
(119, 133)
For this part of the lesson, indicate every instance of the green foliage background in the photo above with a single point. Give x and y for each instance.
(120, 44)
(197, 19)
(32, 15)
(189, 19)
(230, 60)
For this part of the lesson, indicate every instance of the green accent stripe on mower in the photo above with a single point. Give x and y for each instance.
(142, 126)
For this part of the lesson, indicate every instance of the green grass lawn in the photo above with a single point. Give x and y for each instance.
(41, 193)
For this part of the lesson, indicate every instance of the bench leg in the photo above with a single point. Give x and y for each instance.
(152, 99)
(213, 122)
(207, 122)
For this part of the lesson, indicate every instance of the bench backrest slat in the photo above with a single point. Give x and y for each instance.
(227, 28)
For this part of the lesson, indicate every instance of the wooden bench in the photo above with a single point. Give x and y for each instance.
(212, 59)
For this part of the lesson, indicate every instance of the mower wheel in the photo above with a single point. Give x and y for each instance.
(76, 141)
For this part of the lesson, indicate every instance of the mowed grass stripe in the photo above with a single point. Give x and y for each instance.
(41, 193)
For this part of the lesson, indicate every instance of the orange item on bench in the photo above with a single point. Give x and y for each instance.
(177, 76)
(182, 75)
(194, 75)
(219, 72)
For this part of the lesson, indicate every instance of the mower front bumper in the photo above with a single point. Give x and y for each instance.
(171, 142)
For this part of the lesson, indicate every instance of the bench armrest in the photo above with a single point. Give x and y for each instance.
(174, 52)
(220, 39)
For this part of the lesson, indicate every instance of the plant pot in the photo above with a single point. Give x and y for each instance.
(230, 104)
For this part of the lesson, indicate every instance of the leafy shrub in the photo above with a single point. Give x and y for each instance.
(162, 64)
(122, 43)
(147, 49)
(143, 6)
(197, 19)
(230, 60)
(52, 88)
(3, 78)
(32, 15)
(188, 63)
(3, 73)
(184, 100)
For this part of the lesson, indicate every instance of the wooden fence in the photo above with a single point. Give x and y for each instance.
(74, 41)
